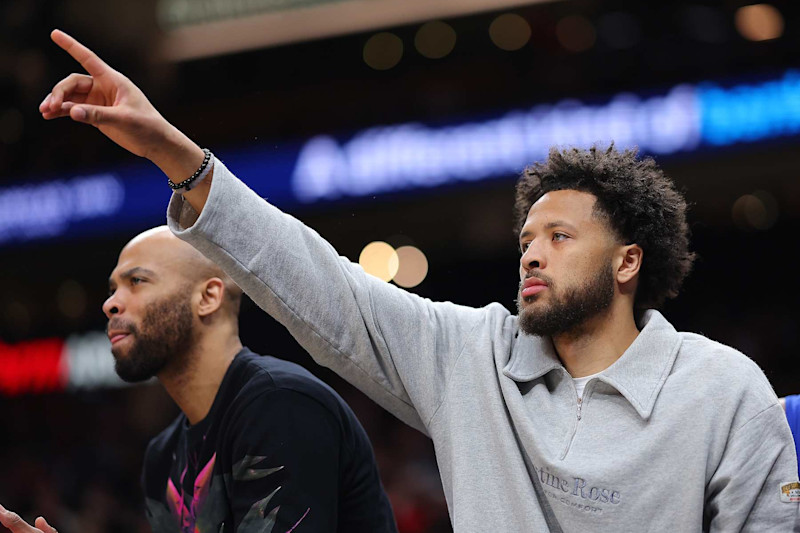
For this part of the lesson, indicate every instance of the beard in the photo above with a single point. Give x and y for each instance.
(165, 336)
(569, 311)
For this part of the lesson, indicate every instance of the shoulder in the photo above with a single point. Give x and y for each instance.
(269, 379)
(284, 423)
(489, 320)
(724, 376)
(713, 358)
(275, 389)
(496, 311)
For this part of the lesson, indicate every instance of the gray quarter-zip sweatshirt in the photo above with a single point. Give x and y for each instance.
(681, 434)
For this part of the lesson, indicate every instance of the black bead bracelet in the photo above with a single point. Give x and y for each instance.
(188, 181)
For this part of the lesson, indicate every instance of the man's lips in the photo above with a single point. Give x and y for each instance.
(532, 286)
(116, 336)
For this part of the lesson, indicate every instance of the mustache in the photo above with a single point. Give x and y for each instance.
(119, 323)
(537, 274)
(532, 274)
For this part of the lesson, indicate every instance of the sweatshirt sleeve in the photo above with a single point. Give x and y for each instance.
(744, 494)
(396, 347)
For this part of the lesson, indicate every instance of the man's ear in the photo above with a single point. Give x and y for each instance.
(630, 263)
(211, 297)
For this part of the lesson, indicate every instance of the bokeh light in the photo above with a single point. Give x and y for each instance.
(435, 39)
(383, 51)
(575, 33)
(379, 259)
(413, 267)
(756, 211)
(510, 32)
(71, 299)
(759, 22)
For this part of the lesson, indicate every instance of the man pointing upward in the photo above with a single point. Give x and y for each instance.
(586, 412)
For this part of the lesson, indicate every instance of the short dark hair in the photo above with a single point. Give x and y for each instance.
(640, 203)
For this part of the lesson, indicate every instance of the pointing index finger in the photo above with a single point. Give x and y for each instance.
(88, 59)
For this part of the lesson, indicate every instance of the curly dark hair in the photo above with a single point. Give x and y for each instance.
(640, 203)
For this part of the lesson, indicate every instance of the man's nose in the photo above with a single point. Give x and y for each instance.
(532, 258)
(113, 306)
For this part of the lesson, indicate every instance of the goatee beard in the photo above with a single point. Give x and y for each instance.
(568, 312)
(165, 336)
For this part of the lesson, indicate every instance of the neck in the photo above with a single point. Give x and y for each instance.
(598, 342)
(195, 385)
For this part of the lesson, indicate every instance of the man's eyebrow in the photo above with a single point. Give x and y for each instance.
(550, 225)
(132, 272)
(560, 224)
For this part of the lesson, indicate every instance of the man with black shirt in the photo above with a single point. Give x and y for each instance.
(261, 442)
(261, 445)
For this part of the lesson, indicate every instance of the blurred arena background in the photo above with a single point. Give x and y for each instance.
(373, 121)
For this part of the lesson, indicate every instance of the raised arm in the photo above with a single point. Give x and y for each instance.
(396, 347)
(109, 101)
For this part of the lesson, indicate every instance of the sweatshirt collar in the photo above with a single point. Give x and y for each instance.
(638, 374)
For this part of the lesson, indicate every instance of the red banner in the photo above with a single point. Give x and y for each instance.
(32, 367)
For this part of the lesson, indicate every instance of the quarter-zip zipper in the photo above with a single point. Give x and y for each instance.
(578, 416)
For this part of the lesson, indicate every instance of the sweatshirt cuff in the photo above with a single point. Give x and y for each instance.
(182, 219)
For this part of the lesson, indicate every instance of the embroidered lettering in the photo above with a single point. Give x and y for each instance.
(582, 483)
(577, 486)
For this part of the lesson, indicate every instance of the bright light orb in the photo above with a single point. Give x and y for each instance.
(379, 259)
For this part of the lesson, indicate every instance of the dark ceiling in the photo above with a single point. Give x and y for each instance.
(297, 90)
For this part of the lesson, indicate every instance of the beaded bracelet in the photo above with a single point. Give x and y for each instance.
(192, 181)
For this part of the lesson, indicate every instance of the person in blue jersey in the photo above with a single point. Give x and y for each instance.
(791, 404)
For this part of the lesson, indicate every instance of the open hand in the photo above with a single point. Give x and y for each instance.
(15, 524)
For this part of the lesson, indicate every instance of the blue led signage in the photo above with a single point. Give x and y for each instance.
(404, 157)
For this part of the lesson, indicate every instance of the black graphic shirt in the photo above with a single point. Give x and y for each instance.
(279, 452)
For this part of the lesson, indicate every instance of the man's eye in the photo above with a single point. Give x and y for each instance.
(524, 246)
(559, 236)
(136, 281)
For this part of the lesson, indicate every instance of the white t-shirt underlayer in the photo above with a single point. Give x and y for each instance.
(580, 383)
